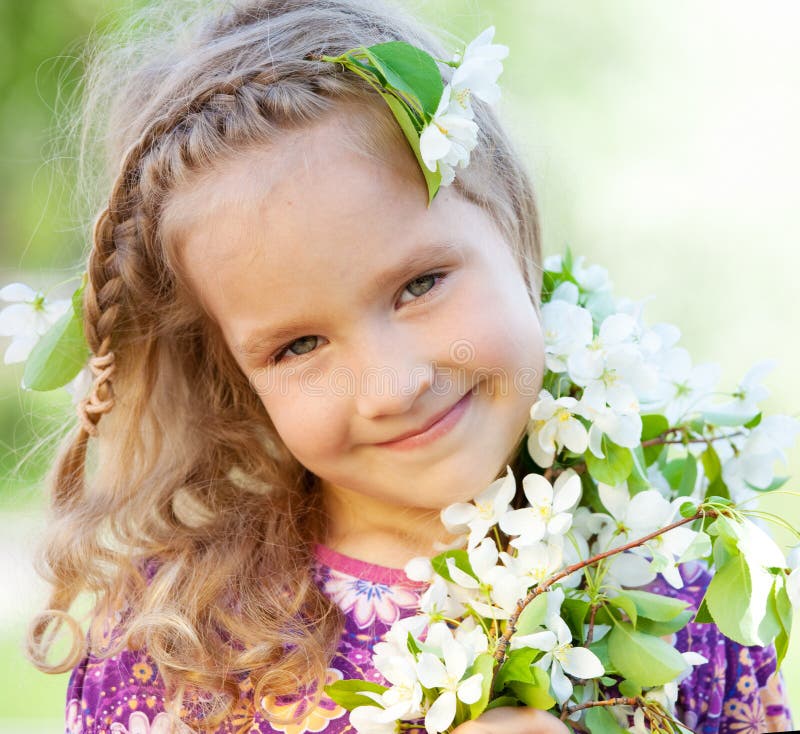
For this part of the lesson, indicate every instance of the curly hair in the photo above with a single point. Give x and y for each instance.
(186, 467)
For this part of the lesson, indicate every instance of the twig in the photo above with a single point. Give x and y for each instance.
(590, 633)
(619, 701)
(502, 643)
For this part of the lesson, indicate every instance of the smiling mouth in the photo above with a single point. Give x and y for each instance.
(436, 427)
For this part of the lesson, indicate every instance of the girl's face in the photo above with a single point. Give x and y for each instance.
(360, 315)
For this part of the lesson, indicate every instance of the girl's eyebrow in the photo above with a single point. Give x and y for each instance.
(430, 252)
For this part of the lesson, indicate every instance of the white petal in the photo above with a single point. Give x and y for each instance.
(648, 510)
(545, 640)
(430, 670)
(469, 690)
(574, 435)
(433, 145)
(419, 569)
(441, 714)
(568, 494)
(582, 663)
(562, 686)
(18, 319)
(20, 348)
(457, 517)
(537, 489)
(17, 292)
(614, 499)
(559, 524)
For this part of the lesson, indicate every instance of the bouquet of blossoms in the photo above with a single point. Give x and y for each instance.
(638, 469)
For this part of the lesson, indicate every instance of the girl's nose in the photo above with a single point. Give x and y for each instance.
(391, 378)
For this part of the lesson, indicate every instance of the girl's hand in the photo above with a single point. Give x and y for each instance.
(514, 720)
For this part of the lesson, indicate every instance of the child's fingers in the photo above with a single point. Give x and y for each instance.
(513, 720)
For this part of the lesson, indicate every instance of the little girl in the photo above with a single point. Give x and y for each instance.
(298, 364)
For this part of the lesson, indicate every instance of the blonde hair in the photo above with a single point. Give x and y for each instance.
(187, 511)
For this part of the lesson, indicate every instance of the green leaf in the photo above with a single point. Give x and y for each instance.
(627, 605)
(433, 179)
(484, 664)
(460, 558)
(517, 667)
(653, 425)
(711, 463)
(413, 645)
(615, 468)
(785, 612)
(688, 476)
(347, 693)
(754, 421)
(659, 629)
(638, 481)
(601, 721)
(737, 600)
(654, 606)
(532, 615)
(535, 695)
(573, 612)
(629, 688)
(410, 70)
(600, 648)
(703, 616)
(58, 356)
(643, 659)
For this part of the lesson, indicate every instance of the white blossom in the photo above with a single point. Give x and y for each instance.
(561, 657)
(553, 425)
(27, 319)
(550, 508)
(446, 141)
(478, 70)
(484, 512)
(447, 675)
(565, 328)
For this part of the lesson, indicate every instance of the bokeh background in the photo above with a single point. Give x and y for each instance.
(663, 141)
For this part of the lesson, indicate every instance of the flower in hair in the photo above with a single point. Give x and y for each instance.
(436, 118)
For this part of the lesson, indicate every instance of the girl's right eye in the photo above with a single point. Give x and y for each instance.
(278, 356)
(434, 278)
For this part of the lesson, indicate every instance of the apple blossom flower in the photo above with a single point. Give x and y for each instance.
(484, 512)
(478, 70)
(552, 426)
(448, 138)
(561, 657)
(749, 393)
(549, 511)
(752, 467)
(27, 319)
(447, 675)
(565, 328)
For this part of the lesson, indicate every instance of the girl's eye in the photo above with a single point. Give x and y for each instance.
(424, 285)
(420, 287)
(303, 341)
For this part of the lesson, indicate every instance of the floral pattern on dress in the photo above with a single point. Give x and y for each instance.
(289, 707)
(736, 692)
(369, 601)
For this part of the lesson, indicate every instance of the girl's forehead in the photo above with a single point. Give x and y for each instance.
(312, 221)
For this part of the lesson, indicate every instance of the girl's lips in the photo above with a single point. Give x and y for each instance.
(438, 428)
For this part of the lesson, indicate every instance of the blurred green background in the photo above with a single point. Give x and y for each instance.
(663, 142)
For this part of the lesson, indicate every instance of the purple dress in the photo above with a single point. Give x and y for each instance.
(735, 692)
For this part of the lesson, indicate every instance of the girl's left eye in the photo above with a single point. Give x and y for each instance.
(428, 284)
